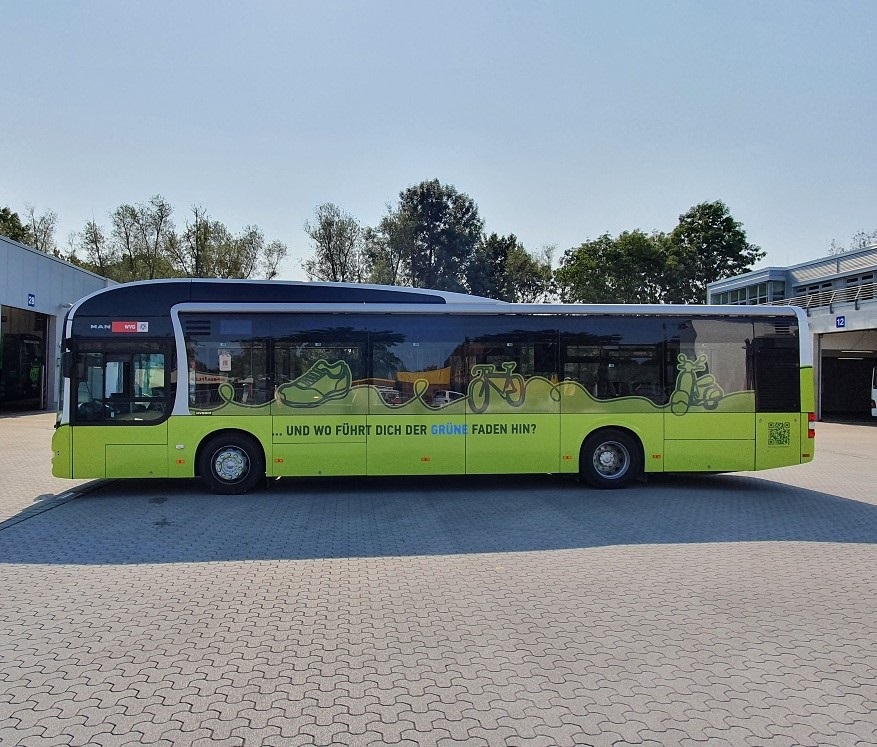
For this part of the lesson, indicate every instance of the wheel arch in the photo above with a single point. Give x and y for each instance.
(633, 434)
(237, 432)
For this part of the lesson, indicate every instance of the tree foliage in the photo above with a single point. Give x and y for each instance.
(36, 231)
(12, 227)
(386, 249)
(42, 230)
(503, 269)
(859, 240)
(337, 242)
(92, 242)
(708, 244)
(142, 243)
(433, 232)
(626, 269)
(431, 238)
(531, 276)
(141, 234)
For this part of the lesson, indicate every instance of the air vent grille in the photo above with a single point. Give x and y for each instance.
(784, 327)
(198, 327)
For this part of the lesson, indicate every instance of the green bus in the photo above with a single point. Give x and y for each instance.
(236, 381)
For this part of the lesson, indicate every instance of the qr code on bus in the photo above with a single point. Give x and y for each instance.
(779, 434)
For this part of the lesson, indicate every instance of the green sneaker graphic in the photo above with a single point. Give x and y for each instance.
(320, 383)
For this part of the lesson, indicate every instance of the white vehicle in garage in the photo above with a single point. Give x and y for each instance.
(874, 393)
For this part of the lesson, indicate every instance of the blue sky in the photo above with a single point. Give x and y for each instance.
(562, 120)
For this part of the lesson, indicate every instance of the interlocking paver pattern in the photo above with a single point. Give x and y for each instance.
(735, 609)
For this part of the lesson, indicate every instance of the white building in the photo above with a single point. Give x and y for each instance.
(839, 294)
(36, 290)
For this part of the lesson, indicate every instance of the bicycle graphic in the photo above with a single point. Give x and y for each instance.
(487, 377)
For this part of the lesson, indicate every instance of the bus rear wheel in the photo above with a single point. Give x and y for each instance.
(231, 464)
(610, 459)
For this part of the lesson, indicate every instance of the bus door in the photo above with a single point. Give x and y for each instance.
(611, 376)
(320, 405)
(781, 426)
(513, 411)
(417, 396)
(120, 401)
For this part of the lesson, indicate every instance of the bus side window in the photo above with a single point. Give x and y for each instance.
(227, 360)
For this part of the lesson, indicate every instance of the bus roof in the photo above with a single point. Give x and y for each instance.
(156, 297)
(153, 298)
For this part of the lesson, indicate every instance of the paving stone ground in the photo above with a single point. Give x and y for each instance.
(722, 610)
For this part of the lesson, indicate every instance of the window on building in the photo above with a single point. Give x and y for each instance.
(860, 286)
(816, 294)
(757, 294)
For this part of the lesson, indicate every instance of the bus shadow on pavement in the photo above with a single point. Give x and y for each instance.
(164, 521)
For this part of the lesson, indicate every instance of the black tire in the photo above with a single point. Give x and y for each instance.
(610, 459)
(231, 464)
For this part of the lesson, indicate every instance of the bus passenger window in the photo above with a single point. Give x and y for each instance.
(716, 348)
(612, 357)
(227, 361)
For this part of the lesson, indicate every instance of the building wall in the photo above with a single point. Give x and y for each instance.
(36, 282)
(804, 283)
(839, 294)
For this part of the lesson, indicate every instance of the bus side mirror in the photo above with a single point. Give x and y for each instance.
(67, 364)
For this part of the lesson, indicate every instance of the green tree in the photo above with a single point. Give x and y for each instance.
(643, 279)
(386, 250)
(337, 239)
(100, 254)
(584, 272)
(503, 269)
(194, 252)
(143, 244)
(439, 228)
(626, 269)
(12, 227)
(141, 234)
(859, 240)
(270, 258)
(207, 249)
(530, 275)
(708, 244)
(248, 255)
(42, 230)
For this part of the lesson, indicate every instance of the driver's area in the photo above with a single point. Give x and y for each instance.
(114, 383)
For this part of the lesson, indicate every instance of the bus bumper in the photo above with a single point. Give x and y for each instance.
(62, 453)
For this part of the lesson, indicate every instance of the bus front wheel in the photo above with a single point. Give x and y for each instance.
(231, 464)
(610, 459)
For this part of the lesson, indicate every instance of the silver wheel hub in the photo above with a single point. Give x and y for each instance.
(230, 464)
(611, 459)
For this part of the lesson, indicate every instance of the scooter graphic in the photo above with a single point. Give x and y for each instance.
(692, 389)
